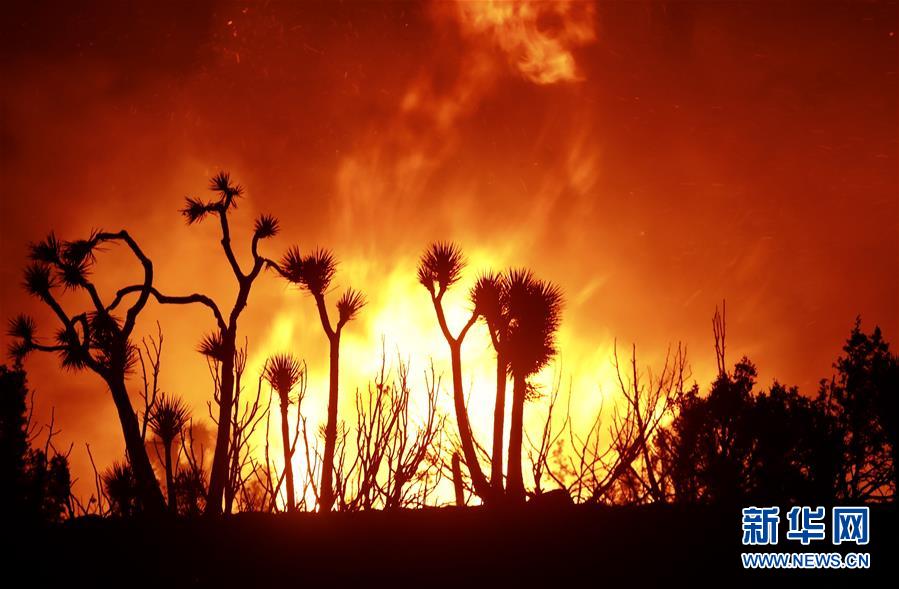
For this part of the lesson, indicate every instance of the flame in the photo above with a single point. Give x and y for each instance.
(538, 38)
(484, 125)
(388, 173)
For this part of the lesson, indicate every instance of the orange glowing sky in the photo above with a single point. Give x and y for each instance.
(651, 158)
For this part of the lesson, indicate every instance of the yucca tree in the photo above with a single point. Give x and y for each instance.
(314, 273)
(439, 268)
(534, 311)
(283, 372)
(168, 417)
(96, 339)
(227, 194)
(488, 296)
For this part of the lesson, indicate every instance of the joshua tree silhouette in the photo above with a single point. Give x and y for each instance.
(224, 341)
(439, 268)
(96, 339)
(488, 296)
(534, 310)
(283, 372)
(314, 273)
(167, 419)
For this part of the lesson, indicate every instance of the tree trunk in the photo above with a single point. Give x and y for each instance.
(457, 480)
(218, 476)
(233, 469)
(170, 478)
(148, 486)
(515, 482)
(288, 467)
(499, 417)
(326, 498)
(478, 480)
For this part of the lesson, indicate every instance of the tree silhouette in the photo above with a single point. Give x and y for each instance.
(36, 481)
(439, 268)
(735, 445)
(284, 372)
(796, 453)
(167, 418)
(314, 273)
(397, 462)
(96, 339)
(713, 439)
(225, 338)
(862, 400)
(488, 296)
(534, 310)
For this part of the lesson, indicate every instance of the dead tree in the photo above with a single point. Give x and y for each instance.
(719, 329)
(409, 470)
(95, 339)
(626, 468)
(392, 467)
(149, 354)
(550, 444)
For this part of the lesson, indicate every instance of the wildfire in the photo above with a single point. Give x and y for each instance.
(538, 38)
(393, 168)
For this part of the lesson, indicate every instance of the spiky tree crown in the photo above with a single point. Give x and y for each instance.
(313, 272)
(168, 417)
(534, 311)
(487, 296)
(95, 336)
(92, 337)
(266, 226)
(213, 346)
(109, 349)
(55, 263)
(21, 329)
(196, 209)
(440, 266)
(283, 372)
(349, 305)
(121, 487)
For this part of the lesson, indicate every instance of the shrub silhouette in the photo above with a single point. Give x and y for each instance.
(862, 399)
(35, 485)
(736, 445)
